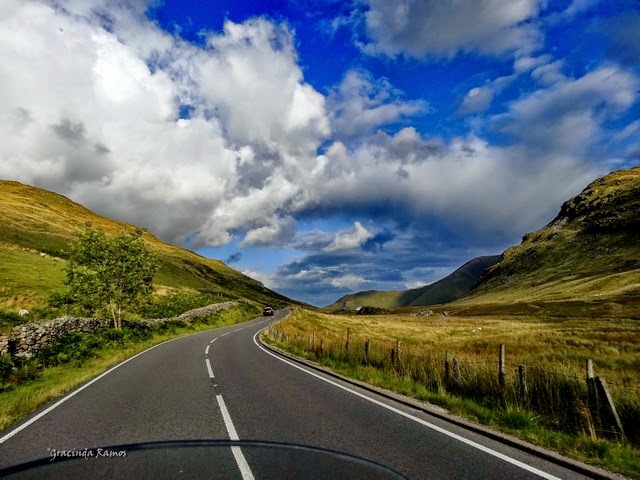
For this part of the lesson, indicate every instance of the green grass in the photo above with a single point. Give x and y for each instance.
(80, 357)
(554, 411)
(28, 279)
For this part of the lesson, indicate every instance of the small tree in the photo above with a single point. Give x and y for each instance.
(110, 273)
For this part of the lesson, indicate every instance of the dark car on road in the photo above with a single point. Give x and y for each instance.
(267, 312)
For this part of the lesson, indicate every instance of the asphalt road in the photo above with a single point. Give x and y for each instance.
(221, 384)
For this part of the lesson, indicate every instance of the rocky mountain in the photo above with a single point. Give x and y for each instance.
(586, 261)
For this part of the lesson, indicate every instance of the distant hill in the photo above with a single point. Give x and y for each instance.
(453, 286)
(584, 262)
(36, 227)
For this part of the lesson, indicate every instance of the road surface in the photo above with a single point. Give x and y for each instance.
(221, 384)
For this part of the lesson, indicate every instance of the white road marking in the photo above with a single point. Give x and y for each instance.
(209, 368)
(243, 466)
(206, 350)
(225, 334)
(74, 393)
(471, 443)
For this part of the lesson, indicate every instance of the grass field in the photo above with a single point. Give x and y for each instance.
(27, 278)
(553, 351)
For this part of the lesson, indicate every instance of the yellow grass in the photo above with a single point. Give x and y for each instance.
(613, 345)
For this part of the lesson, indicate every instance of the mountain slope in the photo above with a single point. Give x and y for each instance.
(586, 261)
(453, 286)
(36, 227)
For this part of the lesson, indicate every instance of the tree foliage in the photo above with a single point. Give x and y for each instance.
(110, 273)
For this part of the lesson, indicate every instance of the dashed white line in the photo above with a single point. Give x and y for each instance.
(471, 443)
(206, 350)
(206, 360)
(243, 466)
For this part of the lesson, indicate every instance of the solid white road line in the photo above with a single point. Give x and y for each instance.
(243, 466)
(471, 443)
(88, 384)
(206, 350)
(74, 393)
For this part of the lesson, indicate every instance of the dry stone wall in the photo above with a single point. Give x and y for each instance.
(25, 340)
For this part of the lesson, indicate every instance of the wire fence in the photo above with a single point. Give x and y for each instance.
(565, 397)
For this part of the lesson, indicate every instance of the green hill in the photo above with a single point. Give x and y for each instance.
(584, 262)
(453, 286)
(36, 227)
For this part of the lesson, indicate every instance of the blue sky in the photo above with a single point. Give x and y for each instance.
(323, 147)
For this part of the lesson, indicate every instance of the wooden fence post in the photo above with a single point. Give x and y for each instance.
(397, 350)
(522, 380)
(446, 366)
(366, 352)
(346, 345)
(592, 396)
(610, 419)
(501, 366)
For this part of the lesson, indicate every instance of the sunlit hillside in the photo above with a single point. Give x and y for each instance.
(36, 227)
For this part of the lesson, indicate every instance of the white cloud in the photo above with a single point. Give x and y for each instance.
(251, 77)
(360, 104)
(567, 116)
(347, 281)
(93, 113)
(420, 28)
(349, 239)
(476, 100)
(278, 232)
(465, 183)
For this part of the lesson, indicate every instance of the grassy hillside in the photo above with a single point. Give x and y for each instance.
(586, 261)
(36, 227)
(453, 286)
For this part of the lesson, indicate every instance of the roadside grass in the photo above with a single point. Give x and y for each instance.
(81, 357)
(553, 413)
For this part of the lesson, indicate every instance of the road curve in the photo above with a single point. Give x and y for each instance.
(220, 384)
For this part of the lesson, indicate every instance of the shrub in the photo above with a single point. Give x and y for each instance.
(6, 366)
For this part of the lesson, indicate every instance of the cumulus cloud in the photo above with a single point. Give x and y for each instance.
(349, 239)
(451, 181)
(347, 281)
(420, 28)
(360, 104)
(278, 232)
(94, 94)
